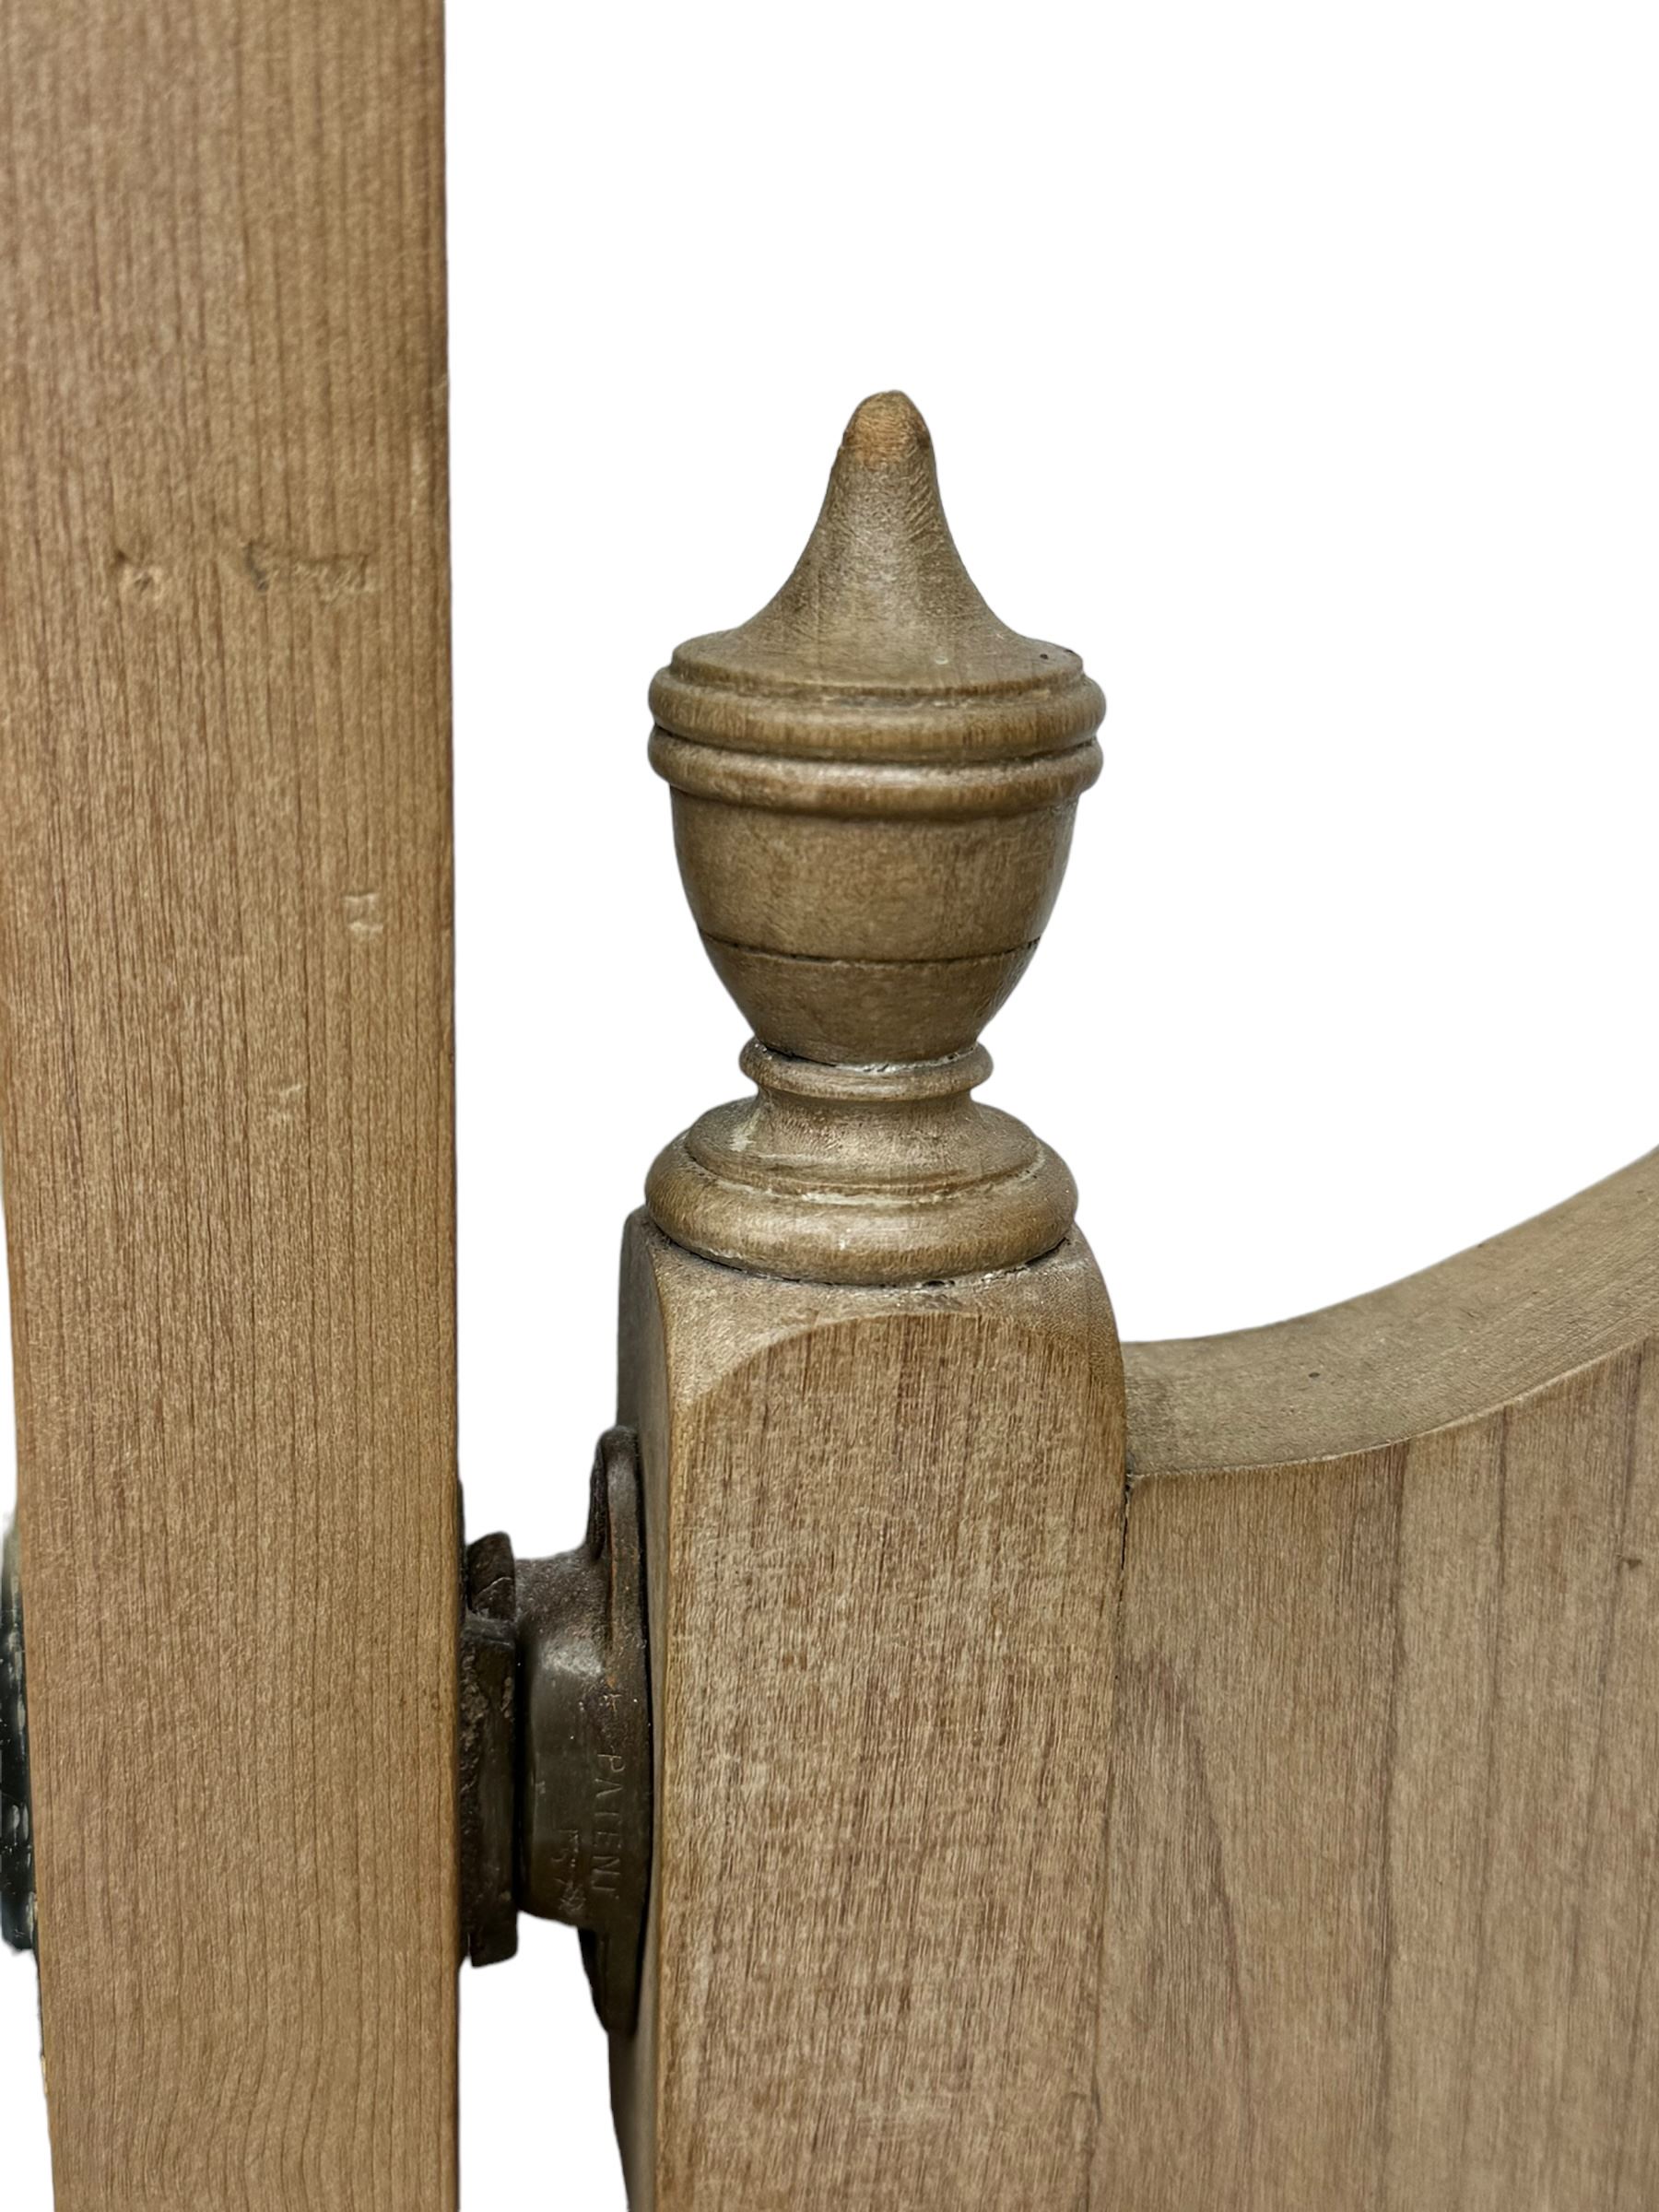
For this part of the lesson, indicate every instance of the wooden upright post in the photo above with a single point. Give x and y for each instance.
(884, 1494)
(225, 1017)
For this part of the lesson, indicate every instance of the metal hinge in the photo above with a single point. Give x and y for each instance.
(555, 1743)
(555, 1783)
(16, 1832)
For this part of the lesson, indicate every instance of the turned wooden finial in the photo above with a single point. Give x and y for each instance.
(873, 784)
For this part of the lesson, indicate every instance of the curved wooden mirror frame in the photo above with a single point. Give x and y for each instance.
(1385, 1833)
(1276, 1828)
(1448, 1345)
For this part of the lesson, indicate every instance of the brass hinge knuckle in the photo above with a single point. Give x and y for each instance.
(555, 1783)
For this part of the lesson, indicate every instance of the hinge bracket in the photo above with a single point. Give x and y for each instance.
(555, 1782)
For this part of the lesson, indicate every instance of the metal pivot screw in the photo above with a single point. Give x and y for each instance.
(555, 1783)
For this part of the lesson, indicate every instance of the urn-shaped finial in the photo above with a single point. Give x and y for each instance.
(873, 784)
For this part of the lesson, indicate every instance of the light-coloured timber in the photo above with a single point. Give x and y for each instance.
(883, 1512)
(1291, 1843)
(225, 1015)
(882, 1535)
(873, 784)
(1384, 1840)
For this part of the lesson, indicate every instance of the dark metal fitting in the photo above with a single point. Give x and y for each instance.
(16, 1833)
(555, 1782)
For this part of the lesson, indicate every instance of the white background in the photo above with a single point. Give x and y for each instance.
(1298, 364)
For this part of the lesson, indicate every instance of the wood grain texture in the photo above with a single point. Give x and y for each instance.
(1384, 1840)
(1474, 1333)
(874, 783)
(225, 956)
(883, 1534)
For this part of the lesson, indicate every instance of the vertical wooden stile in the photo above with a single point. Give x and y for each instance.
(883, 1531)
(225, 1010)
(880, 1408)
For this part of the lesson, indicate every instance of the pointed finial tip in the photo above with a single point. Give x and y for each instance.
(885, 429)
(879, 646)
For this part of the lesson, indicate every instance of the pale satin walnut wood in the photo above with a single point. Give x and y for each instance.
(225, 1029)
(884, 1527)
(1264, 1822)
(883, 1498)
(1354, 1680)
(1385, 1843)
(873, 784)
(1214, 1775)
